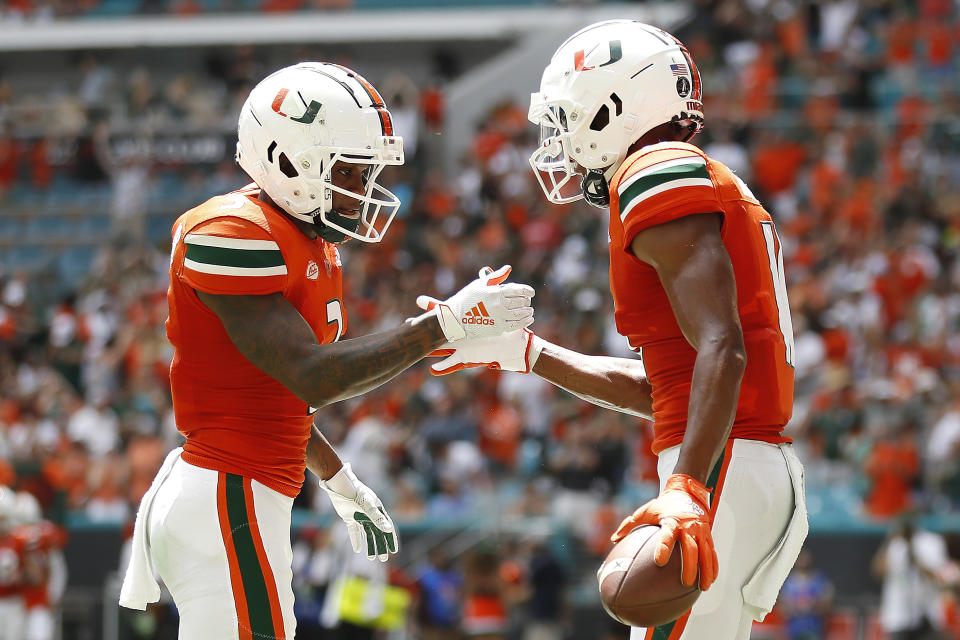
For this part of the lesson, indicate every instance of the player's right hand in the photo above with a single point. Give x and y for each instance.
(683, 516)
(486, 307)
(512, 351)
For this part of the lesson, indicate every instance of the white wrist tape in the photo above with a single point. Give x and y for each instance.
(536, 346)
(343, 482)
(451, 327)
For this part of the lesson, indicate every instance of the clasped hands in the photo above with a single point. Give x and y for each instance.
(485, 324)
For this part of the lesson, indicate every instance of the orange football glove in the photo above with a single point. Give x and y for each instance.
(682, 513)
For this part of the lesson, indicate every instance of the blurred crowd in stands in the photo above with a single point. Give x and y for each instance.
(842, 116)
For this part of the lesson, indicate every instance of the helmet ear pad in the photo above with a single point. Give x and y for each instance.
(595, 189)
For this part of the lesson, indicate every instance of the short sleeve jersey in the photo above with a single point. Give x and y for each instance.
(235, 418)
(666, 181)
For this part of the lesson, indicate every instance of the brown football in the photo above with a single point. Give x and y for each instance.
(637, 592)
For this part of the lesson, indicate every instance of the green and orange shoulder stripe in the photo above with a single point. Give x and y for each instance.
(227, 252)
(660, 183)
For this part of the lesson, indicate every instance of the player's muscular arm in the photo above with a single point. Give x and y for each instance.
(322, 459)
(695, 270)
(272, 334)
(613, 383)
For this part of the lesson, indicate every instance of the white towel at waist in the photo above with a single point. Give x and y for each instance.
(762, 589)
(139, 584)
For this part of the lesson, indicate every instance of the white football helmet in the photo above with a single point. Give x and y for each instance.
(297, 123)
(27, 508)
(606, 86)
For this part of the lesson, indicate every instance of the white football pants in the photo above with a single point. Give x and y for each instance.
(12, 618)
(221, 544)
(40, 624)
(759, 523)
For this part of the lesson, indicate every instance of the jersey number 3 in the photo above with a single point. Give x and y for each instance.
(335, 315)
(775, 260)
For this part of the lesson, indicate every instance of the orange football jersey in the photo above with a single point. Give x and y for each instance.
(37, 541)
(664, 182)
(237, 419)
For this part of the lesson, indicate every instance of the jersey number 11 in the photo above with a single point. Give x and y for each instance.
(775, 260)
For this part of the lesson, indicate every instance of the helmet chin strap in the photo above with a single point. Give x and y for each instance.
(595, 185)
(595, 189)
(330, 234)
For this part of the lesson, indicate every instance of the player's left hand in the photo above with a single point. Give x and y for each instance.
(683, 516)
(512, 351)
(368, 525)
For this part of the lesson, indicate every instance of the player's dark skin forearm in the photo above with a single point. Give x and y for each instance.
(697, 275)
(272, 334)
(714, 392)
(322, 460)
(613, 383)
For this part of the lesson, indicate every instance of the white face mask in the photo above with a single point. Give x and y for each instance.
(552, 162)
(377, 206)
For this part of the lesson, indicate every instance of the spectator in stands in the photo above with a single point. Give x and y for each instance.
(408, 501)
(892, 467)
(94, 424)
(576, 465)
(93, 81)
(908, 563)
(9, 160)
(805, 600)
(547, 607)
(314, 567)
(943, 452)
(359, 599)
(452, 501)
(440, 585)
(484, 610)
(129, 177)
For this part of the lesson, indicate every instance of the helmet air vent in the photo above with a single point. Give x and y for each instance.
(601, 120)
(286, 167)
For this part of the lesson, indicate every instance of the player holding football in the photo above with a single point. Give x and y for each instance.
(256, 318)
(697, 280)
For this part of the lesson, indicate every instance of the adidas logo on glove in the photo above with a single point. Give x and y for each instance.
(477, 315)
(485, 308)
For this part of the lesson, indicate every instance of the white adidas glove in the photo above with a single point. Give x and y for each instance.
(483, 308)
(366, 519)
(512, 351)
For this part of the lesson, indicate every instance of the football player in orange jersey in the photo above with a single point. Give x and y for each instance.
(256, 318)
(12, 609)
(44, 570)
(696, 274)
